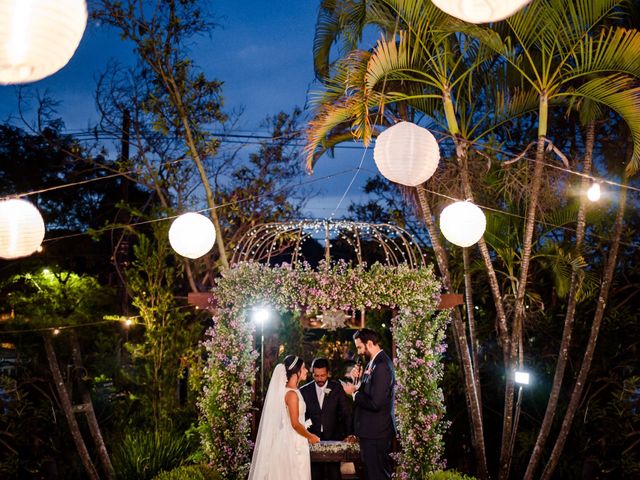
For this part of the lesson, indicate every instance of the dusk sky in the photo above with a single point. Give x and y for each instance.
(262, 51)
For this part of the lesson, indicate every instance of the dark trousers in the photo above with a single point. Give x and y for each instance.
(325, 471)
(375, 456)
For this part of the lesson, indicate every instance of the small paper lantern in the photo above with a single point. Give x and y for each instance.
(192, 235)
(38, 37)
(406, 154)
(480, 11)
(462, 223)
(21, 228)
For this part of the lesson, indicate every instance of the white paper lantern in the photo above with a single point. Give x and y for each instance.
(192, 235)
(38, 37)
(462, 223)
(480, 11)
(406, 154)
(21, 228)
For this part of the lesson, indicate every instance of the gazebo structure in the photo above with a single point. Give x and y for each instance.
(272, 243)
(273, 266)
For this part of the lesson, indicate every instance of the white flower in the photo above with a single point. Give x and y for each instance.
(327, 391)
(308, 423)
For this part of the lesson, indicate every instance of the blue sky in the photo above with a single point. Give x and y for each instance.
(262, 51)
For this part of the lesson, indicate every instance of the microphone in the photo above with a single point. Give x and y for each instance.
(356, 380)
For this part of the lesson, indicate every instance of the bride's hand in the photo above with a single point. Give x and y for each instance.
(313, 439)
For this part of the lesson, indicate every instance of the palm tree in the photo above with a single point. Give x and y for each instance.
(568, 57)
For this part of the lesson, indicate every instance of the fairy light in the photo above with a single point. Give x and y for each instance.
(593, 193)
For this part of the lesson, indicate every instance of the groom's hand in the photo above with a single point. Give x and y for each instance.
(356, 373)
(349, 388)
(351, 439)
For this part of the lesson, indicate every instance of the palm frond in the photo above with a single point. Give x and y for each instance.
(619, 93)
(614, 49)
(337, 20)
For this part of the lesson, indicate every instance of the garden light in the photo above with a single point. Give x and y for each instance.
(260, 315)
(522, 378)
(593, 193)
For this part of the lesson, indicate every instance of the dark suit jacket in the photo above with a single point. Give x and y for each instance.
(374, 404)
(335, 415)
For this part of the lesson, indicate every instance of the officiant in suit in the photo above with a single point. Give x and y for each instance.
(329, 410)
(373, 392)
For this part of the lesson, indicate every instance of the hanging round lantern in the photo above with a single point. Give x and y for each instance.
(38, 37)
(192, 235)
(462, 223)
(406, 154)
(480, 11)
(21, 228)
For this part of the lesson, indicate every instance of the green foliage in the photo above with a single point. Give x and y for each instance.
(290, 333)
(189, 472)
(142, 455)
(447, 475)
(168, 338)
(52, 298)
(25, 425)
(420, 342)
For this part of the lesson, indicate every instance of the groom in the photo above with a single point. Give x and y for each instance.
(330, 413)
(373, 393)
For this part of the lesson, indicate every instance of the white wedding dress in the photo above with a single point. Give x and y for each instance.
(280, 452)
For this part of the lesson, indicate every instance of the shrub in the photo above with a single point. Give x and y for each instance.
(142, 455)
(448, 475)
(189, 472)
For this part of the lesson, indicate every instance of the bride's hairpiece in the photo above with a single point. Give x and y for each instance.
(293, 364)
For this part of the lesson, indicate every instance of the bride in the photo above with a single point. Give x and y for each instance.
(282, 444)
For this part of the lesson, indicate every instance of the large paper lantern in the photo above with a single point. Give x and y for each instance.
(462, 223)
(38, 37)
(480, 11)
(192, 235)
(21, 228)
(406, 154)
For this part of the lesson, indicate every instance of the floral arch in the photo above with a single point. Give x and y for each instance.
(413, 294)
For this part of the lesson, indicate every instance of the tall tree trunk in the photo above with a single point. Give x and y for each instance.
(516, 332)
(471, 392)
(565, 343)
(67, 408)
(468, 294)
(501, 317)
(94, 427)
(576, 395)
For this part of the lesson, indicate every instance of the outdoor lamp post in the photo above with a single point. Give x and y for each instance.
(259, 316)
(521, 378)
